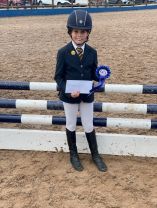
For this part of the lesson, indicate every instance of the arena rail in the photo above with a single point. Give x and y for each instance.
(43, 140)
(132, 123)
(98, 106)
(108, 88)
(60, 11)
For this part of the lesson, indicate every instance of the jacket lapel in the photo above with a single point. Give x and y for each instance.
(72, 52)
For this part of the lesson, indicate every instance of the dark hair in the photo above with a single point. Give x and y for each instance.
(71, 29)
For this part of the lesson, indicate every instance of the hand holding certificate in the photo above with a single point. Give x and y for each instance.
(81, 86)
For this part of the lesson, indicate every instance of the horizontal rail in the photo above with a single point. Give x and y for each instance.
(98, 106)
(13, 85)
(103, 122)
(108, 88)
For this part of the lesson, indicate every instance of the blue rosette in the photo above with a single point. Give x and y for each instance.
(103, 73)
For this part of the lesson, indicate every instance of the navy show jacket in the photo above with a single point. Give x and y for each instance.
(70, 67)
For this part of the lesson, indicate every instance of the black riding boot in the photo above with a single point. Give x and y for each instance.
(74, 157)
(91, 138)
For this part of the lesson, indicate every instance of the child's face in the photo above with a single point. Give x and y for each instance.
(79, 36)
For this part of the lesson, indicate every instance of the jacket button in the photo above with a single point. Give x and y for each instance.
(82, 75)
(81, 66)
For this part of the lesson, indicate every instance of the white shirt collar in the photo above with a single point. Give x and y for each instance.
(75, 46)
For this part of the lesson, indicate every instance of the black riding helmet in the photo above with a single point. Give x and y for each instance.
(79, 19)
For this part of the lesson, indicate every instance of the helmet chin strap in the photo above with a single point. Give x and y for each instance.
(79, 44)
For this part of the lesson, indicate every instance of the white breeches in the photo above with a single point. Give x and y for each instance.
(86, 113)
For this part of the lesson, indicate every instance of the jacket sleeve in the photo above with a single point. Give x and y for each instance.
(95, 65)
(59, 74)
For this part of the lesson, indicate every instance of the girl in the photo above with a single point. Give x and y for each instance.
(78, 61)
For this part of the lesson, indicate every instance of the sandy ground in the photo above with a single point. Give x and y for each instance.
(127, 42)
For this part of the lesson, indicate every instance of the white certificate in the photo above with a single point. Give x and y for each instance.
(82, 86)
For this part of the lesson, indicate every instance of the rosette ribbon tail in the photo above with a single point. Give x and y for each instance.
(97, 86)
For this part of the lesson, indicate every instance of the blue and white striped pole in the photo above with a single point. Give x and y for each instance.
(131, 88)
(13, 85)
(31, 104)
(102, 122)
(98, 106)
(108, 88)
